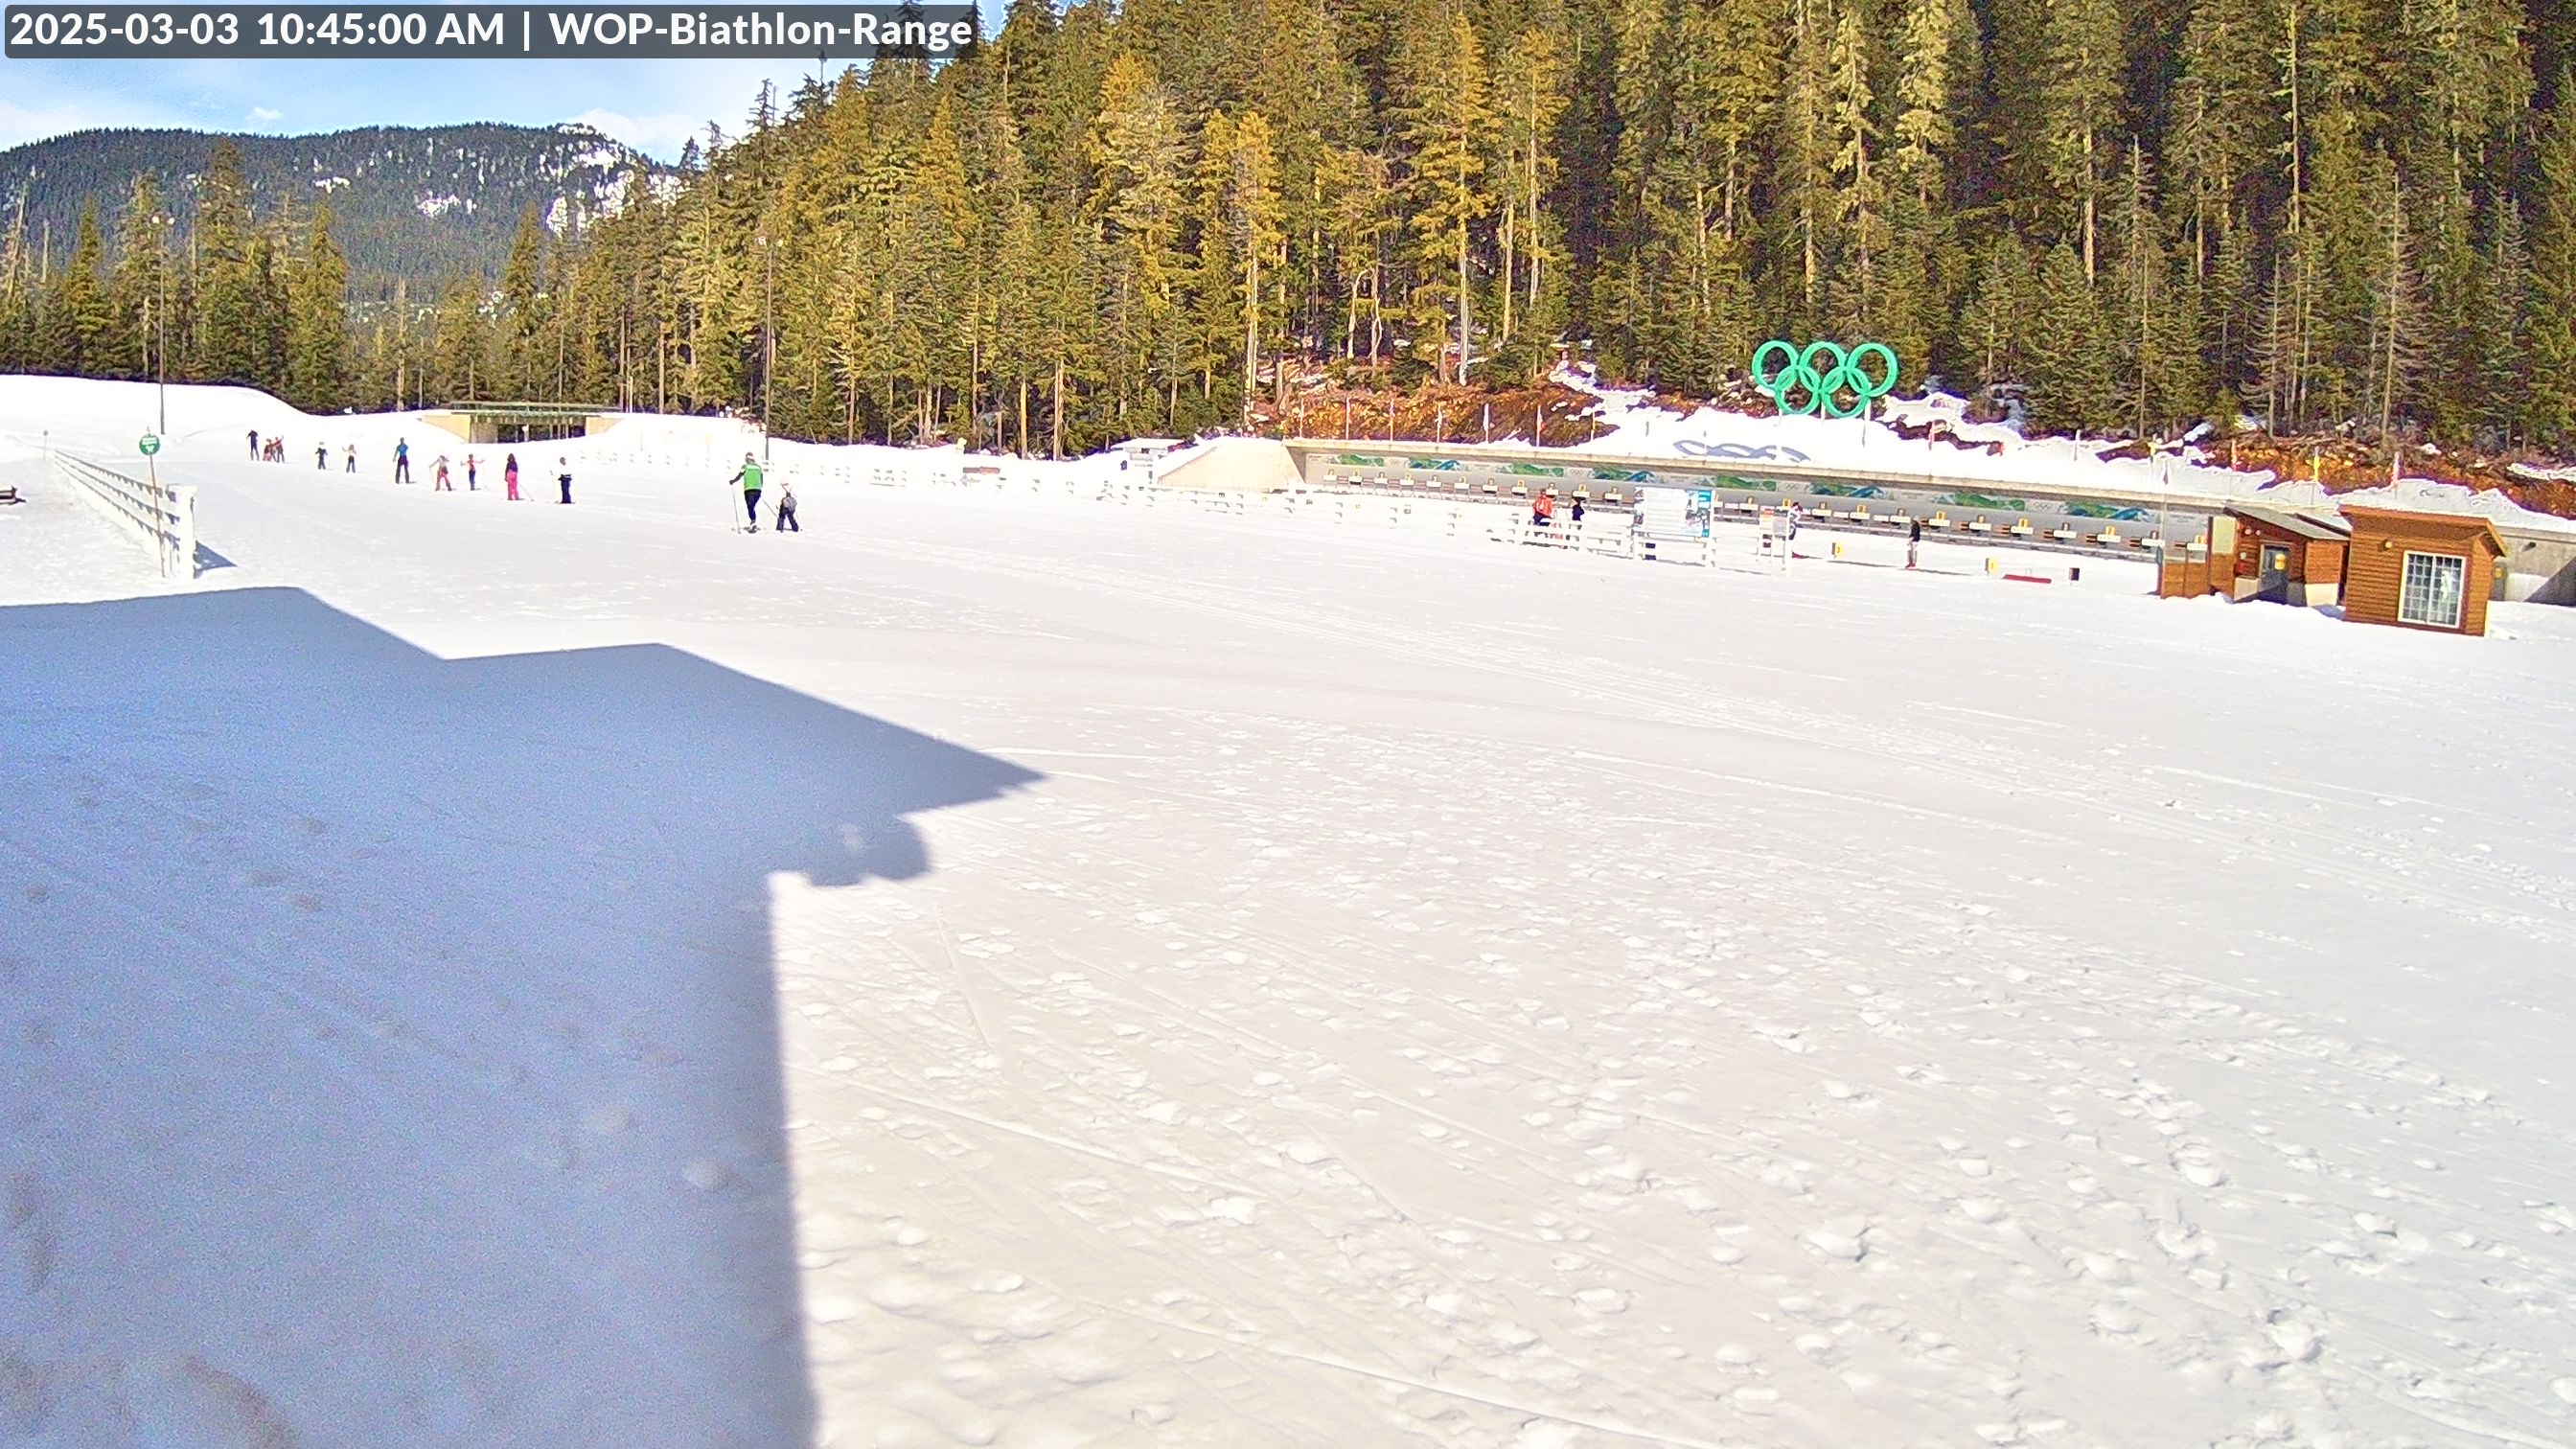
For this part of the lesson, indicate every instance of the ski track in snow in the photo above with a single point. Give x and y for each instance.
(1436, 994)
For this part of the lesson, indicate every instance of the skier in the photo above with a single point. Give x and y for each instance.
(438, 476)
(402, 460)
(786, 516)
(510, 475)
(1913, 542)
(565, 477)
(1795, 513)
(1543, 509)
(254, 445)
(1578, 510)
(749, 478)
(351, 455)
(470, 485)
(321, 457)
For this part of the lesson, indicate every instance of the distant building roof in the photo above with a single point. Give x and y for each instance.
(2318, 527)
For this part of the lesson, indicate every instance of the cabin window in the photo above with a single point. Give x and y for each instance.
(2434, 588)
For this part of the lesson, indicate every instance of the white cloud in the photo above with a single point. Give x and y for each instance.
(263, 115)
(660, 134)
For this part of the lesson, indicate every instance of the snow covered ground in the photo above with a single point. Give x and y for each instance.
(995, 972)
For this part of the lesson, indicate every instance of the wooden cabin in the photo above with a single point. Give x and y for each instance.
(2259, 552)
(2420, 570)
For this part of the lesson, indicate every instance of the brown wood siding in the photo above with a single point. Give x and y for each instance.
(2376, 572)
(2185, 575)
(2370, 584)
(2323, 563)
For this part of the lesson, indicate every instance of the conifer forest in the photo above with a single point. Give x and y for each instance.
(2333, 217)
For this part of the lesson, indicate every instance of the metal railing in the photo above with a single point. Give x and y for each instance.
(162, 516)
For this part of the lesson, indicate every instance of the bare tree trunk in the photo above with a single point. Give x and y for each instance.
(1466, 325)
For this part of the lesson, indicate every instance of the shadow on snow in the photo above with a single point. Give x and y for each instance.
(391, 1044)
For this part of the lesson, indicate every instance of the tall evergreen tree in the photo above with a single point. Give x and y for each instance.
(232, 304)
(2502, 329)
(317, 346)
(76, 338)
(2081, 66)
(1446, 128)
(140, 291)
(2071, 358)
(2551, 419)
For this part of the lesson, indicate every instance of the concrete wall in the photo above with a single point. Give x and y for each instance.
(2543, 570)
(457, 423)
(1235, 465)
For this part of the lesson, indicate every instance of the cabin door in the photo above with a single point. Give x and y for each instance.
(2274, 581)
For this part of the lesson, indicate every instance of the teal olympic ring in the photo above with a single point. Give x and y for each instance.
(1823, 377)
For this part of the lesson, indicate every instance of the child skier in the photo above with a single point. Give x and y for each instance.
(470, 484)
(510, 475)
(352, 457)
(565, 477)
(438, 480)
(786, 519)
(749, 478)
(321, 457)
(402, 460)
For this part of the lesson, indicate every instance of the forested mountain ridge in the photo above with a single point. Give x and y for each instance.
(2350, 217)
(419, 202)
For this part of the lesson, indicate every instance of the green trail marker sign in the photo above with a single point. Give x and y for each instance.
(149, 444)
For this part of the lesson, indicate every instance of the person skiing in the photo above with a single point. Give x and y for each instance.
(402, 460)
(750, 480)
(321, 457)
(470, 485)
(254, 445)
(438, 476)
(1578, 510)
(352, 457)
(510, 475)
(1913, 542)
(786, 509)
(565, 477)
(1543, 509)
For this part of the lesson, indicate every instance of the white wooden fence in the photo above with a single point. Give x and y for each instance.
(161, 516)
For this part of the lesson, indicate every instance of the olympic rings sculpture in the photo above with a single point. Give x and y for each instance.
(1823, 389)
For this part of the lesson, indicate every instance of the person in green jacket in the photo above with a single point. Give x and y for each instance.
(749, 478)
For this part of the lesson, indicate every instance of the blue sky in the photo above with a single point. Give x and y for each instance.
(650, 105)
